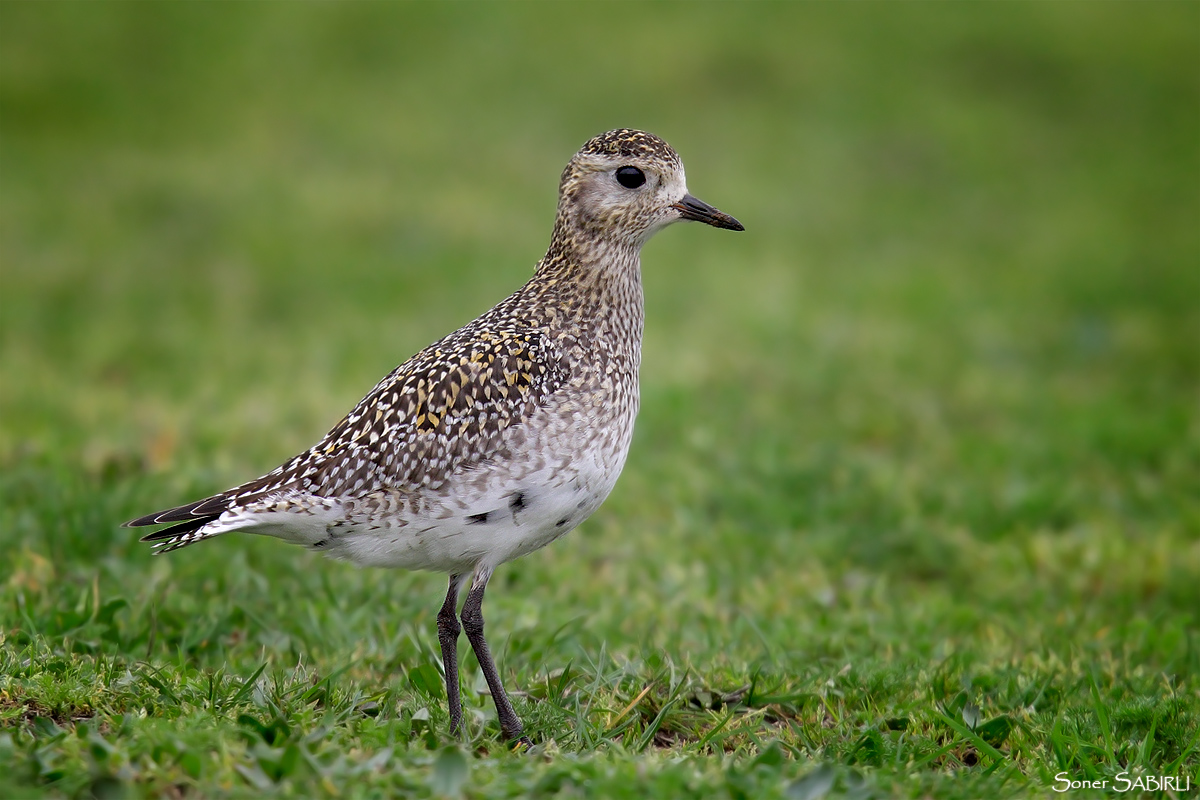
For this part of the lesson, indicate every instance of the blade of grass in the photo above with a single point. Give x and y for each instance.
(970, 735)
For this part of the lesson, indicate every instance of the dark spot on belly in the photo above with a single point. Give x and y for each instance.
(320, 544)
(517, 501)
(562, 522)
(478, 519)
(581, 504)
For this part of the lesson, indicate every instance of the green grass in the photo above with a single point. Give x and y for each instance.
(913, 508)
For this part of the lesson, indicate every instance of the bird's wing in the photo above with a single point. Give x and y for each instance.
(444, 410)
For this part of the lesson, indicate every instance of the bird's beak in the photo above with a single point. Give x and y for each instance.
(691, 208)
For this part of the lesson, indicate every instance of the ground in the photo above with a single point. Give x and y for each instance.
(914, 499)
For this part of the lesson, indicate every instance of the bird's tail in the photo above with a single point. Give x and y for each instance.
(192, 519)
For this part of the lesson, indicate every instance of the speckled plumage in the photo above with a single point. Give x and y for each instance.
(507, 433)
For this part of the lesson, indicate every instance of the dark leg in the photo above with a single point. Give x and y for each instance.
(447, 621)
(472, 619)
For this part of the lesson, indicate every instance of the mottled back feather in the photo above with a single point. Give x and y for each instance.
(442, 411)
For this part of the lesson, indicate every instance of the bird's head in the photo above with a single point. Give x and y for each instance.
(624, 185)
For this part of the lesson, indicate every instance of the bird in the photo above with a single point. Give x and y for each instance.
(498, 439)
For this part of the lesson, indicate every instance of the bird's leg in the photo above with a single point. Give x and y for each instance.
(448, 628)
(472, 619)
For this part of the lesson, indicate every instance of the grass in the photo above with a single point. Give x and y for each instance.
(914, 501)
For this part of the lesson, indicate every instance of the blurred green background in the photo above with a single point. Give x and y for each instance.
(941, 397)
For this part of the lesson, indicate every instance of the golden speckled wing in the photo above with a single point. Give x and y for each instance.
(443, 410)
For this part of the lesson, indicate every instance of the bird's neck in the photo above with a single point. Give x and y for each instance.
(591, 282)
(596, 265)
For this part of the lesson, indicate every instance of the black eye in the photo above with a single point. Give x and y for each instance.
(630, 177)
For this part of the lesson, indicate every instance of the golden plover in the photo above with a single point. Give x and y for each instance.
(501, 437)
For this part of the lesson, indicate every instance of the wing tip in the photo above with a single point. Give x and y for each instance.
(207, 509)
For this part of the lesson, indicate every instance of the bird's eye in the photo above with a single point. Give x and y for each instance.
(630, 177)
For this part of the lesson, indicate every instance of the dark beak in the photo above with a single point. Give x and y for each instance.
(691, 208)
